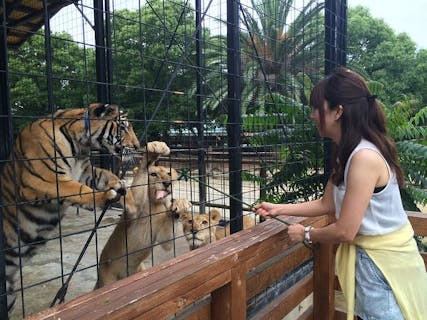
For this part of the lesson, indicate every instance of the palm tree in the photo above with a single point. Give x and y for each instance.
(281, 43)
(280, 46)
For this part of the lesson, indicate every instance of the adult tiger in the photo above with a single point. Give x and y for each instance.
(49, 169)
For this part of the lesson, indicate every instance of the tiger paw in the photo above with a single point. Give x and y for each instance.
(116, 190)
(119, 187)
(158, 147)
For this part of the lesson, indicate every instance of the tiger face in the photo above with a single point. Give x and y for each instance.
(107, 127)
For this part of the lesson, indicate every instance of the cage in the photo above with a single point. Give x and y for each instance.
(225, 84)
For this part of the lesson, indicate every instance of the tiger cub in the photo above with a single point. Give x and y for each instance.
(49, 169)
(132, 240)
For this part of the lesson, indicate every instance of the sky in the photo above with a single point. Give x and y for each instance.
(408, 16)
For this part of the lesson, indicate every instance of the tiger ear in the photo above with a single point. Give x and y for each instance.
(102, 110)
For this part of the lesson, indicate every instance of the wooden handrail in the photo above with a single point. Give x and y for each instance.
(225, 275)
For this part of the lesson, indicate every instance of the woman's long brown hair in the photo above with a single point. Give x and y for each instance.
(362, 117)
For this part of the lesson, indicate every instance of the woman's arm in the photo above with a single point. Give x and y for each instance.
(367, 169)
(319, 207)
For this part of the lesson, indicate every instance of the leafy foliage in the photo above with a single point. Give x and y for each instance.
(279, 45)
(158, 39)
(27, 73)
(294, 174)
(407, 124)
(380, 54)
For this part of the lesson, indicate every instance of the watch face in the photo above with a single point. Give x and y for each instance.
(307, 234)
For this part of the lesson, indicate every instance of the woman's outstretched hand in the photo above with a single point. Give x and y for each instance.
(269, 210)
(266, 209)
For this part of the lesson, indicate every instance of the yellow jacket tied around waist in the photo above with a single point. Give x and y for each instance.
(396, 255)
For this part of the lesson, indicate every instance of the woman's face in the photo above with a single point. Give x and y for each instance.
(331, 125)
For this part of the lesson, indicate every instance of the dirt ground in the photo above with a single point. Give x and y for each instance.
(57, 258)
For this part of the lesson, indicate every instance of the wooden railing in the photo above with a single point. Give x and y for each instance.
(217, 281)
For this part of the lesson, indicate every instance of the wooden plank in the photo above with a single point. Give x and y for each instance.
(419, 222)
(201, 310)
(287, 301)
(238, 292)
(229, 301)
(273, 269)
(204, 313)
(144, 287)
(183, 296)
(324, 275)
(339, 315)
(281, 243)
(307, 315)
(165, 287)
(220, 303)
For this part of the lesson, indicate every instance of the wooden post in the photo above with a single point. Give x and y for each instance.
(229, 301)
(323, 287)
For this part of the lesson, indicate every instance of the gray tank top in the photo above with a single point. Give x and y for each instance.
(385, 211)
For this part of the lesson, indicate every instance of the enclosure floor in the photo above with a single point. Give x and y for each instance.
(46, 264)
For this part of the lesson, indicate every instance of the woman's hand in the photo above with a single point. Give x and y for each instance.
(296, 233)
(267, 209)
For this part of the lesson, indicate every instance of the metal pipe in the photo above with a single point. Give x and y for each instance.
(7, 137)
(101, 75)
(335, 54)
(234, 115)
(48, 58)
(200, 110)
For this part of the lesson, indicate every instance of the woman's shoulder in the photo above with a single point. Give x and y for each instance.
(368, 162)
(367, 155)
(366, 144)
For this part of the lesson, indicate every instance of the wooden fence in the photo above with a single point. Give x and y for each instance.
(217, 281)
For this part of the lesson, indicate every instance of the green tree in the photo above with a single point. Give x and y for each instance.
(28, 77)
(278, 49)
(376, 51)
(280, 44)
(295, 172)
(407, 124)
(154, 45)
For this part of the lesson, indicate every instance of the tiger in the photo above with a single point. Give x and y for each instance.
(49, 170)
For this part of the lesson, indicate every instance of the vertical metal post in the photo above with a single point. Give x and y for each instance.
(101, 69)
(101, 72)
(201, 152)
(5, 120)
(108, 52)
(7, 137)
(234, 116)
(335, 53)
(48, 58)
(115, 161)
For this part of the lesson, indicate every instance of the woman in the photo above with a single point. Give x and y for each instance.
(377, 261)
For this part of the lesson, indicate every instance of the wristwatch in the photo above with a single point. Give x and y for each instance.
(307, 230)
